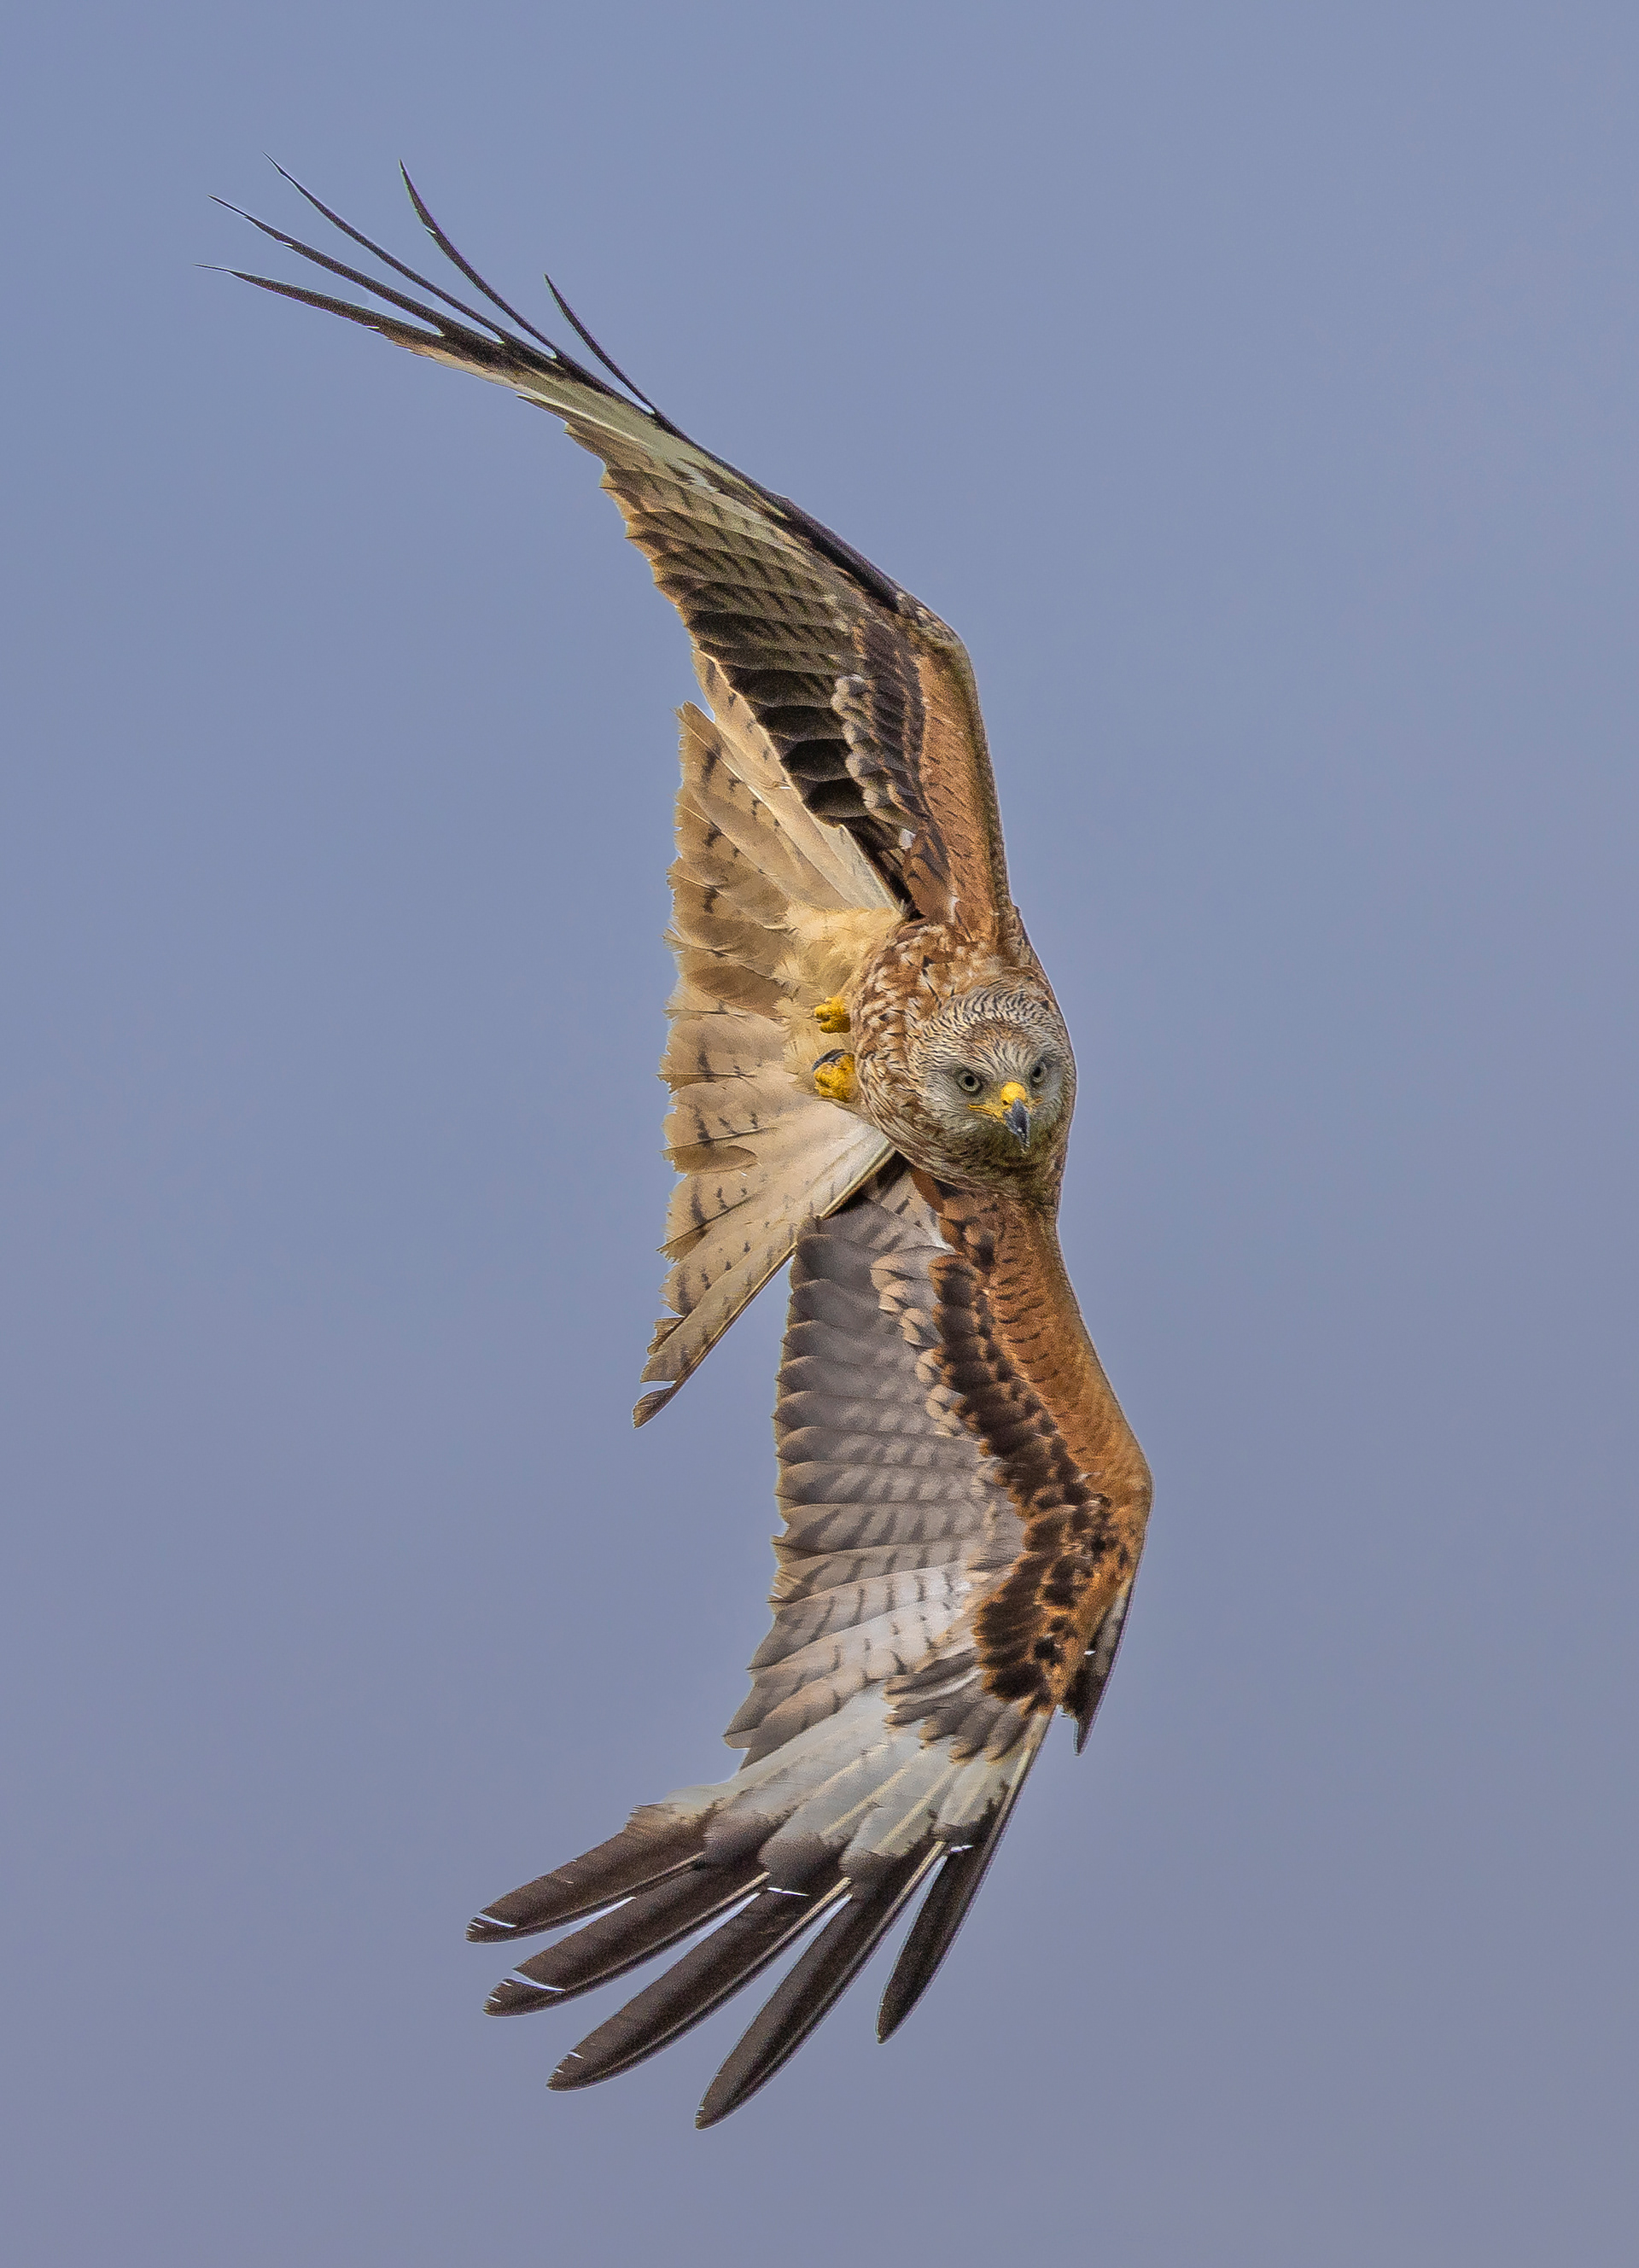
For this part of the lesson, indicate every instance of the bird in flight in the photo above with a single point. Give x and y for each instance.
(870, 1081)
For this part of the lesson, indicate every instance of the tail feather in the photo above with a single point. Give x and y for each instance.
(772, 912)
(725, 1270)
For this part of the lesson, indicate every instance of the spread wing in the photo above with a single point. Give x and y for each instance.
(949, 1574)
(867, 699)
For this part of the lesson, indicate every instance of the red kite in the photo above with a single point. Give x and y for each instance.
(871, 1081)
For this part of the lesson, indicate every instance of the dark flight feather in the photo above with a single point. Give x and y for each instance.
(390, 259)
(441, 324)
(1087, 1687)
(642, 1853)
(813, 1986)
(625, 1938)
(459, 260)
(606, 358)
(705, 1976)
(946, 1906)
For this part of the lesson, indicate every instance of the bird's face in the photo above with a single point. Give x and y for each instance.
(994, 1075)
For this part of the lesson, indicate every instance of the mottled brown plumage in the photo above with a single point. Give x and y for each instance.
(871, 1079)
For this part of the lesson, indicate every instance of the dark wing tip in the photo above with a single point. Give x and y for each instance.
(814, 1985)
(487, 1928)
(944, 1911)
(490, 345)
(646, 1850)
(608, 360)
(1086, 1688)
(512, 1997)
(946, 1905)
(706, 1976)
(624, 1937)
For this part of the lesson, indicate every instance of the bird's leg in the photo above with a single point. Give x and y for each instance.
(832, 1015)
(833, 1077)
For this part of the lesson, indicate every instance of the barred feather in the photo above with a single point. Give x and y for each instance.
(771, 911)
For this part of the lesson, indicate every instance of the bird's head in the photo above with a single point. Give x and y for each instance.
(996, 1080)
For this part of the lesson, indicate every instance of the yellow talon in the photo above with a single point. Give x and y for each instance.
(833, 1077)
(832, 1015)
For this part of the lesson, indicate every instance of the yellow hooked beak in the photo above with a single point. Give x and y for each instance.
(1012, 1108)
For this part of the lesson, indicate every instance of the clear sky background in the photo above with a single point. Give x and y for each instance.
(1254, 386)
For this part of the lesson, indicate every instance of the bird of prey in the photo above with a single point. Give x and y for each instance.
(870, 1081)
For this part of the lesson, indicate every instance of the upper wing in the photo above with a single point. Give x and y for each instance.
(866, 697)
(888, 1734)
(1015, 1354)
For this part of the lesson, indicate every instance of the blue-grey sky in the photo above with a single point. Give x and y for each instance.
(1254, 387)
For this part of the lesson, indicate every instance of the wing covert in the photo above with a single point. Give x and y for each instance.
(1017, 1357)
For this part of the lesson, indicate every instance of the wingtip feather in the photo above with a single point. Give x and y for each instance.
(648, 1849)
(947, 1903)
(688, 1992)
(512, 1997)
(812, 1988)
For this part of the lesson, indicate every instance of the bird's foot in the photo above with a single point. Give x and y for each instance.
(833, 1077)
(832, 1015)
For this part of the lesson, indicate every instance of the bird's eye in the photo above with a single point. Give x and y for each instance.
(1038, 1072)
(969, 1081)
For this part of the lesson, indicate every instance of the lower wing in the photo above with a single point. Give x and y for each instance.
(881, 1766)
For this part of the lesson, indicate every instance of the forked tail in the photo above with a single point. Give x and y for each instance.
(772, 912)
